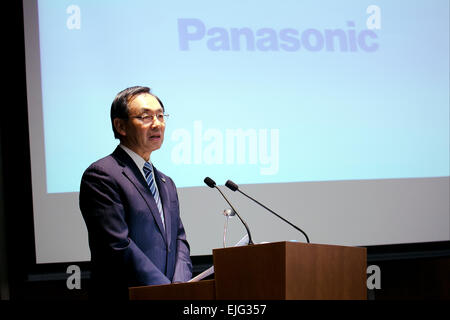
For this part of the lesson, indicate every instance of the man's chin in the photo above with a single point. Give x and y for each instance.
(155, 147)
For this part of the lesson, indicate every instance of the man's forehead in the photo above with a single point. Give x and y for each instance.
(145, 102)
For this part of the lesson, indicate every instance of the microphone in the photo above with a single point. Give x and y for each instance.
(212, 184)
(233, 186)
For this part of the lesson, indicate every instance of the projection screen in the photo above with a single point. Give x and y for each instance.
(334, 114)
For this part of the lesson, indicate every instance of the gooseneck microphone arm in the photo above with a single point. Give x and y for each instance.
(234, 187)
(212, 184)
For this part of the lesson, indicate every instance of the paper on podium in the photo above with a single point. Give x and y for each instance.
(210, 270)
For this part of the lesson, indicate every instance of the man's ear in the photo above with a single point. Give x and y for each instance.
(119, 125)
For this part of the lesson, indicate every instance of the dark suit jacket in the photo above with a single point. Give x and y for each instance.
(128, 243)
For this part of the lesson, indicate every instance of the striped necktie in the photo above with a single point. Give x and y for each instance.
(148, 171)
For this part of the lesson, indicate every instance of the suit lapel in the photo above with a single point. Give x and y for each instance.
(132, 172)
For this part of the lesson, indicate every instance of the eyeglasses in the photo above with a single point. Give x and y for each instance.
(148, 118)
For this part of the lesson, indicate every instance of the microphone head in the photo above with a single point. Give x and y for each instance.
(230, 184)
(229, 212)
(210, 182)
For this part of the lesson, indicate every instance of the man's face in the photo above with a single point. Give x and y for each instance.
(143, 137)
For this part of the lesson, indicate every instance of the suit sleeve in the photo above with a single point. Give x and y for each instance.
(105, 218)
(183, 265)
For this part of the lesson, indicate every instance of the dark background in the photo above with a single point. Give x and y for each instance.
(408, 271)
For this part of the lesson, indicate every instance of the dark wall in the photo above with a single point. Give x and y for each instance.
(412, 271)
(4, 288)
(413, 278)
(425, 278)
(17, 201)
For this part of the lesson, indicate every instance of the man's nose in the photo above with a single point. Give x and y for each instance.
(156, 123)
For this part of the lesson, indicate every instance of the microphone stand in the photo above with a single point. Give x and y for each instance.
(231, 185)
(250, 241)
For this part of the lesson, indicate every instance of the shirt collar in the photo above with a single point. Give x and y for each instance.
(136, 158)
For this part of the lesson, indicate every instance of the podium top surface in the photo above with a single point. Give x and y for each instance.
(293, 244)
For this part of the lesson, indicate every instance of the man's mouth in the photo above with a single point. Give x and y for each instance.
(155, 136)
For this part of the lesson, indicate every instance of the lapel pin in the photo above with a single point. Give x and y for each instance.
(163, 180)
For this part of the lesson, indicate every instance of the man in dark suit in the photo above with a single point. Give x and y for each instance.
(131, 210)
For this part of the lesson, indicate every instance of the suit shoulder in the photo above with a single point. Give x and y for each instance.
(105, 164)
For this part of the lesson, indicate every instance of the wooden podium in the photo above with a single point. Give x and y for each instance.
(273, 271)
